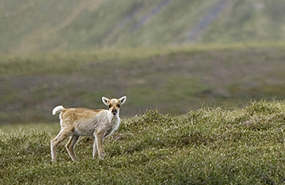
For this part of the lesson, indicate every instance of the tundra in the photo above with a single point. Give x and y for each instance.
(76, 122)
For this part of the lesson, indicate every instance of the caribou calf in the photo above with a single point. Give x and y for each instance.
(76, 122)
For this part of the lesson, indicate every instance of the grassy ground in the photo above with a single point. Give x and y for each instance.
(173, 80)
(207, 146)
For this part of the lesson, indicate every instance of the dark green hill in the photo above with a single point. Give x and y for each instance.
(48, 25)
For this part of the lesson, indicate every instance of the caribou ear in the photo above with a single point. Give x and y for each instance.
(105, 100)
(123, 100)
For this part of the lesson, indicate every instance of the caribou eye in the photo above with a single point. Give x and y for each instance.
(109, 106)
(119, 105)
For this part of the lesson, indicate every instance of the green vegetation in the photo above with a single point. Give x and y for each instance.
(248, 21)
(73, 52)
(171, 79)
(207, 146)
(49, 25)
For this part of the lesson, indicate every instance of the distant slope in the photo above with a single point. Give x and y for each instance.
(49, 25)
(207, 20)
(249, 21)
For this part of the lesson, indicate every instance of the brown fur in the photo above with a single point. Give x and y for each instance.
(76, 122)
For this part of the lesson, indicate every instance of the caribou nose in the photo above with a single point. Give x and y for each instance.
(114, 111)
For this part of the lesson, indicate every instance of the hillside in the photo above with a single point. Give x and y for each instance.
(173, 80)
(207, 146)
(33, 26)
